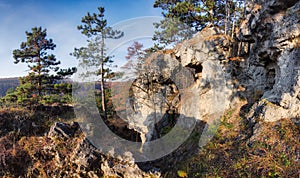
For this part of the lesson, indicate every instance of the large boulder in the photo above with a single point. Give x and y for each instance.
(188, 81)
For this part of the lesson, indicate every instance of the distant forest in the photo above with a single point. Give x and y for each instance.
(7, 83)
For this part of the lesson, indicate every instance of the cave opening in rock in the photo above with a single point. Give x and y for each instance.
(270, 78)
(196, 70)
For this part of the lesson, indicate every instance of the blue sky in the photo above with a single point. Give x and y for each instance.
(60, 18)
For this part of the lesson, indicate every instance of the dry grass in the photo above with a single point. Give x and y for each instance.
(272, 152)
(22, 139)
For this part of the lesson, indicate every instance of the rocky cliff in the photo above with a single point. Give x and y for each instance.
(226, 107)
(205, 75)
(270, 72)
(190, 81)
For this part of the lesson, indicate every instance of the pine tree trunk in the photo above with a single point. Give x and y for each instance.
(245, 8)
(39, 79)
(233, 25)
(102, 82)
(227, 18)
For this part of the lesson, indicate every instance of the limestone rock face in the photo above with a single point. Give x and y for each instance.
(272, 69)
(189, 80)
(209, 44)
(210, 92)
(153, 95)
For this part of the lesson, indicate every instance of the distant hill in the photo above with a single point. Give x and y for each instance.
(7, 83)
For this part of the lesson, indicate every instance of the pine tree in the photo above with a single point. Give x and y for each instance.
(95, 27)
(172, 31)
(183, 18)
(44, 71)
